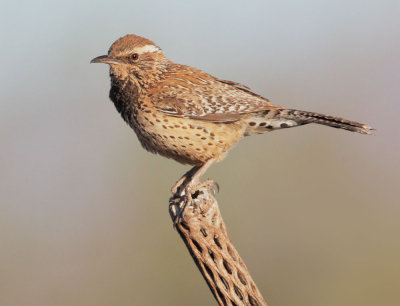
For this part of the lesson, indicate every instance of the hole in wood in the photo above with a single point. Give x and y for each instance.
(217, 241)
(203, 231)
(252, 301)
(225, 282)
(211, 254)
(185, 226)
(197, 245)
(209, 272)
(238, 293)
(221, 296)
(241, 278)
(230, 251)
(227, 266)
(195, 194)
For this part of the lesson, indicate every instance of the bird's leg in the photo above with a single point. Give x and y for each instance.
(195, 179)
(193, 184)
(187, 176)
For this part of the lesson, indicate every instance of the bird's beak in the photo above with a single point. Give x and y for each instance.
(105, 59)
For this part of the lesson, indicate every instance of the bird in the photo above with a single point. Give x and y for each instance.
(183, 113)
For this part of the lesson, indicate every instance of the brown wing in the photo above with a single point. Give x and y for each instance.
(191, 93)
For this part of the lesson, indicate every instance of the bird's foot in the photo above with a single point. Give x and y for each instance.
(177, 206)
(180, 186)
(177, 185)
(185, 190)
(190, 192)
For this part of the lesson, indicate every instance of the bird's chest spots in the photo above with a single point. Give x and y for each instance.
(185, 140)
(142, 121)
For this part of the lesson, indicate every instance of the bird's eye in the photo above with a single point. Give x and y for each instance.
(134, 57)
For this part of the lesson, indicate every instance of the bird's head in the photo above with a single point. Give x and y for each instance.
(134, 57)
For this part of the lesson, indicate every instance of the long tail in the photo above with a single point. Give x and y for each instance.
(336, 122)
(285, 118)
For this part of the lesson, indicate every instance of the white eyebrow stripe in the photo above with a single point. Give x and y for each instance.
(147, 48)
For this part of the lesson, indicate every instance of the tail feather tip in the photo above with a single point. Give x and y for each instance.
(366, 129)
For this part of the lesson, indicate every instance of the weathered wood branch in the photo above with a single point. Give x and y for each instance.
(204, 232)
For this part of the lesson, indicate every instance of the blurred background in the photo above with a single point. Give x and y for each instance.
(314, 211)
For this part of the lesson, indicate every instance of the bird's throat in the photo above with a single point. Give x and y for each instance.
(125, 94)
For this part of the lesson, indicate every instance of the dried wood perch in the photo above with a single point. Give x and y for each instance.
(202, 229)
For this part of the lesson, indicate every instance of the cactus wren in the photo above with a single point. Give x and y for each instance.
(188, 115)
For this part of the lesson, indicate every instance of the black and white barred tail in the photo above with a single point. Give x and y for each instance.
(270, 120)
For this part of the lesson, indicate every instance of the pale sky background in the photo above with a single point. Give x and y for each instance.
(313, 211)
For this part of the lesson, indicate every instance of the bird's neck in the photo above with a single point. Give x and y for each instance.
(128, 87)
